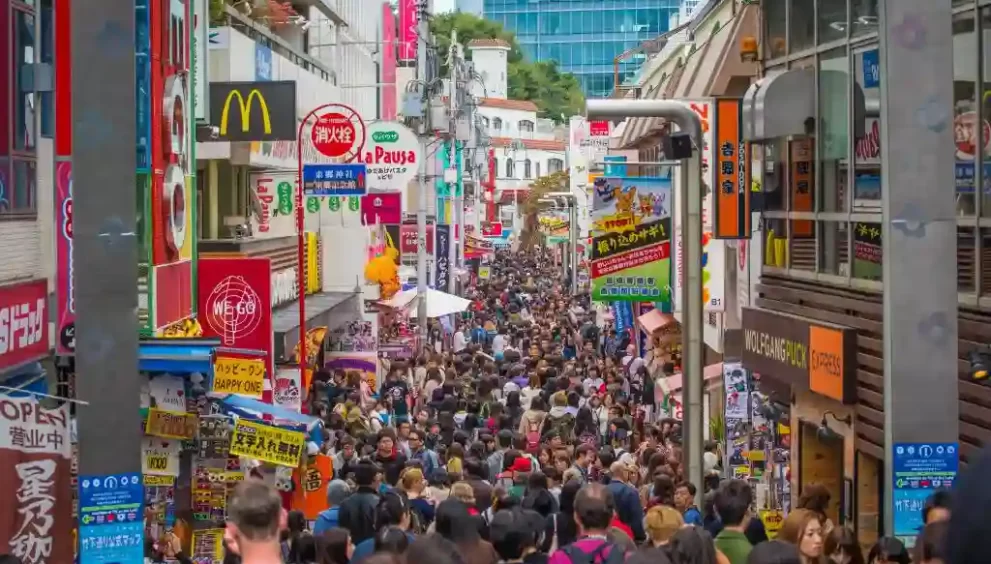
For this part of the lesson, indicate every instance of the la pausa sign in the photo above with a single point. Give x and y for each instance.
(391, 156)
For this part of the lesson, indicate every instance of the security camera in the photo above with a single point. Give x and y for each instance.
(214, 132)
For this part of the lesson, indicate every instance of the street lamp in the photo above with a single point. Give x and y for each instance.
(572, 204)
(690, 193)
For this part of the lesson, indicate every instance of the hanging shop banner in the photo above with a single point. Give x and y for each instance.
(867, 251)
(631, 258)
(36, 523)
(254, 111)
(442, 265)
(408, 237)
(409, 18)
(65, 302)
(622, 204)
(382, 208)
(160, 456)
(267, 443)
(732, 194)
(492, 229)
(238, 375)
(364, 364)
(477, 245)
(23, 323)
(310, 491)
(288, 388)
(334, 180)
(111, 518)
(235, 296)
(391, 155)
(703, 108)
(171, 424)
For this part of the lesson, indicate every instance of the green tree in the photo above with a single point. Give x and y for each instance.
(530, 208)
(557, 94)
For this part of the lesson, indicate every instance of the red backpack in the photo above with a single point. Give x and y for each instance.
(533, 435)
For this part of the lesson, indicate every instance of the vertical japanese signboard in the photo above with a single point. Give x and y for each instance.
(408, 20)
(441, 258)
(802, 185)
(732, 193)
(35, 480)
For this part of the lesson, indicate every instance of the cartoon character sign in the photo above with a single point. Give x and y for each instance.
(624, 204)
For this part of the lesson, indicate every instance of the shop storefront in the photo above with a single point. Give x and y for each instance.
(805, 371)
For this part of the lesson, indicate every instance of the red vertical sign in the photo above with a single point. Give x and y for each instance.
(235, 303)
(408, 20)
(388, 108)
(490, 206)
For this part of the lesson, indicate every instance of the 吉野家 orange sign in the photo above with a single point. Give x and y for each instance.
(732, 173)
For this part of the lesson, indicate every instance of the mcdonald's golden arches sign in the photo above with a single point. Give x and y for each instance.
(253, 111)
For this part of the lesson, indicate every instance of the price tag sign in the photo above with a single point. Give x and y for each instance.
(267, 443)
(171, 424)
(242, 376)
(153, 480)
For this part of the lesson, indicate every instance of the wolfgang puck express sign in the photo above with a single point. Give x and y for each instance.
(802, 353)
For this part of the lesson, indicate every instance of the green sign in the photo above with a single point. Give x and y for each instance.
(312, 204)
(385, 136)
(285, 194)
(335, 203)
(354, 203)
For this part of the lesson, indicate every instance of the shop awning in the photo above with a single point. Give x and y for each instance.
(253, 408)
(326, 309)
(177, 356)
(655, 319)
(675, 382)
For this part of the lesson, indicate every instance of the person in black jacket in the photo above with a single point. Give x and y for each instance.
(357, 513)
(389, 457)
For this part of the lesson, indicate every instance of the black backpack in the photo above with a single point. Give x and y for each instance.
(578, 556)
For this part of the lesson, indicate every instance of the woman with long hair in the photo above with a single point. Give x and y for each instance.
(412, 483)
(842, 547)
(693, 545)
(888, 550)
(560, 528)
(803, 528)
(334, 546)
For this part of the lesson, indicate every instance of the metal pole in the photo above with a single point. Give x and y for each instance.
(691, 218)
(452, 188)
(423, 31)
(104, 226)
(574, 245)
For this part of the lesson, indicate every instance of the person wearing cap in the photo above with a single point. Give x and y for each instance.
(337, 492)
(519, 471)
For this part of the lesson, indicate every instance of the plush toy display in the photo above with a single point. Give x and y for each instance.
(384, 271)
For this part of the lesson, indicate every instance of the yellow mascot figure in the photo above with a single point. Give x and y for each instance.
(384, 271)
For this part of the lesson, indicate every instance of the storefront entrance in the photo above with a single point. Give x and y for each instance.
(821, 462)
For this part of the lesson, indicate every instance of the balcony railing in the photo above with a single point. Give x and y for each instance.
(260, 33)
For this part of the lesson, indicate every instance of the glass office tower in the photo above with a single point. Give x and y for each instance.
(584, 36)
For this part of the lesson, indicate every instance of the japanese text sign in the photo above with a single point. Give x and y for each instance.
(65, 288)
(732, 188)
(111, 518)
(240, 376)
(267, 443)
(382, 208)
(391, 155)
(334, 180)
(338, 132)
(442, 266)
(171, 424)
(408, 238)
(23, 323)
(35, 481)
(918, 469)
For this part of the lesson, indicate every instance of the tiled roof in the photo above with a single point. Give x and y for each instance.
(507, 104)
(488, 43)
(535, 144)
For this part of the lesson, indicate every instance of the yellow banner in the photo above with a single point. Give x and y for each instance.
(208, 545)
(151, 480)
(772, 520)
(171, 424)
(313, 284)
(267, 443)
(242, 376)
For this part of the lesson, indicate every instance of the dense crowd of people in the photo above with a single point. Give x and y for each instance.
(525, 432)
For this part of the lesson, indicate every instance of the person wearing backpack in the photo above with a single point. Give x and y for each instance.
(504, 441)
(594, 510)
(559, 420)
(532, 424)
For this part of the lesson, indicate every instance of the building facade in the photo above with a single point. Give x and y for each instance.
(585, 37)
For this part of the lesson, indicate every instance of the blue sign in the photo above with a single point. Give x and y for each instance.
(263, 62)
(111, 519)
(919, 469)
(142, 84)
(334, 180)
(872, 69)
(614, 169)
(965, 173)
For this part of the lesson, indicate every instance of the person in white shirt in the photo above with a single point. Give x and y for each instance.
(499, 344)
(460, 342)
(593, 383)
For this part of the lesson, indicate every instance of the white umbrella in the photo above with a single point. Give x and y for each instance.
(439, 303)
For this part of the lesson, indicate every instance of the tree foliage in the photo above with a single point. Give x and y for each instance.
(530, 208)
(557, 94)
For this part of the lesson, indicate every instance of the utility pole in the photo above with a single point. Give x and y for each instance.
(422, 74)
(574, 245)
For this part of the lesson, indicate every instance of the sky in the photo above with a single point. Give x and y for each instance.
(441, 6)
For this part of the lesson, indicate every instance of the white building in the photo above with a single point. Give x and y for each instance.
(526, 147)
